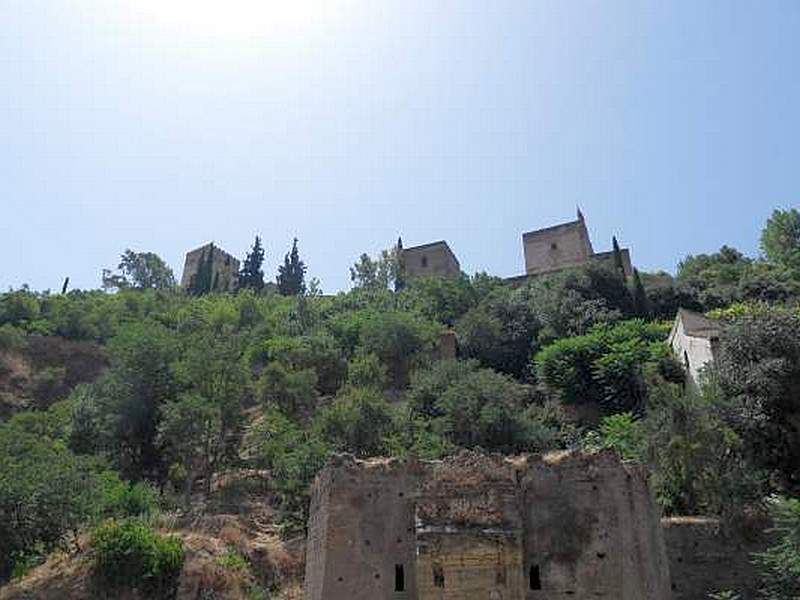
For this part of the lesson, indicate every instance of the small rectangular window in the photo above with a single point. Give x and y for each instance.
(399, 579)
(438, 576)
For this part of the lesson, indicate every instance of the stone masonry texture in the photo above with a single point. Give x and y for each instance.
(570, 525)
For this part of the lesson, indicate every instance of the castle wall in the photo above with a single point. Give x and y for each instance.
(224, 268)
(431, 259)
(607, 258)
(364, 523)
(705, 557)
(475, 527)
(592, 531)
(556, 248)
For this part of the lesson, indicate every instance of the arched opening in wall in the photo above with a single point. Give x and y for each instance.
(399, 579)
(534, 578)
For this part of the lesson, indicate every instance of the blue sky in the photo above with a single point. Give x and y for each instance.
(150, 125)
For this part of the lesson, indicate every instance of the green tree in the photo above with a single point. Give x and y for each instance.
(759, 365)
(397, 337)
(140, 270)
(780, 238)
(191, 435)
(400, 272)
(379, 273)
(641, 304)
(780, 563)
(292, 391)
(619, 265)
(251, 275)
(127, 401)
(291, 275)
(359, 421)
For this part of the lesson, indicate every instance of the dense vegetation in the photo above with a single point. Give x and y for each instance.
(278, 376)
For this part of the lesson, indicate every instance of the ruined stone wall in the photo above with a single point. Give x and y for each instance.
(592, 531)
(474, 527)
(705, 557)
(607, 259)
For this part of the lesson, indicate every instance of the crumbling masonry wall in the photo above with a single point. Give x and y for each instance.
(472, 527)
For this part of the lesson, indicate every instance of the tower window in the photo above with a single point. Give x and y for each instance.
(553, 246)
(424, 262)
(438, 576)
(534, 578)
(399, 579)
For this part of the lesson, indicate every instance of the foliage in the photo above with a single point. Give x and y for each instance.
(45, 490)
(701, 464)
(359, 421)
(367, 370)
(251, 276)
(378, 274)
(129, 554)
(780, 239)
(140, 270)
(621, 432)
(780, 563)
(759, 366)
(608, 365)
(293, 457)
(11, 338)
(292, 391)
(292, 273)
(396, 337)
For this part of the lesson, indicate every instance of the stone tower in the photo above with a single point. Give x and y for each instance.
(476, 527)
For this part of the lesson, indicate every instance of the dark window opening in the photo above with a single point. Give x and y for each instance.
(399, 579)
(500, 576)
(424, 262)
(535, 579)
(553, 246)
(686, 360)
(438, 576)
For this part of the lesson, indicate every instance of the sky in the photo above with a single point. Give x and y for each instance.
(160, 125)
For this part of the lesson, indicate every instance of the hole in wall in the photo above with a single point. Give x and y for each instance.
(534, 578)
(399, 579)
(438, 576)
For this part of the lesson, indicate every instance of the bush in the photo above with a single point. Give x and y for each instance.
(780, 564)
(125, 499)
(11, 338)
(130, 554)
(367, 370)
(608, 365)
(358, 421)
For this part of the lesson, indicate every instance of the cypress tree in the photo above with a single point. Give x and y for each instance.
(292, 273)
(641, 304)
(618, 264)
(400, 273)
(252, 276)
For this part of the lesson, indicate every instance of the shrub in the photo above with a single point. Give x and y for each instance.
(367, 370)
(130, 554)
(780, 564)
(125, 499)
(11, 338)
(358, 421)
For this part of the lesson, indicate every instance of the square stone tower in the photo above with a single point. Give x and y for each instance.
(224, 271)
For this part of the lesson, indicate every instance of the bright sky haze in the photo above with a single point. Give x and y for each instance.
(160, 125)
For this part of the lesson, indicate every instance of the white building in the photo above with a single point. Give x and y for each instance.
(694, 341)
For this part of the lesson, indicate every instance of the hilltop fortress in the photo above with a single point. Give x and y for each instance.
(545, 250)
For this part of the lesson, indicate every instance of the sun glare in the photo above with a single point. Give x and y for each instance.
(234, 17)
